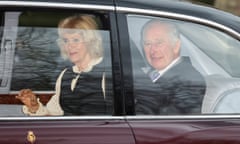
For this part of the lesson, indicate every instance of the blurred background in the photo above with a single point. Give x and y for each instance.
(232, 6)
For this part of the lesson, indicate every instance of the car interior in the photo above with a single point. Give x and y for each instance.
(25, 42)
(221, 86)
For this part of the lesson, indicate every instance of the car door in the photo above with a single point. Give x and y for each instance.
(213, 48)
(61, 130)
(30, 58)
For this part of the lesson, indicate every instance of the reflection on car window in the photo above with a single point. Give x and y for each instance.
(178, 91)
(47, 59)
(170, 85)
(37, 59)
(222, 48)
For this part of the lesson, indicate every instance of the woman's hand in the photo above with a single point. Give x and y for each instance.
(29, 99)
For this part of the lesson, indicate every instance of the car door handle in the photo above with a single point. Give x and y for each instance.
(31, 137)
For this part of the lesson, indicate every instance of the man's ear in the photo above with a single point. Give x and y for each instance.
(177, 47)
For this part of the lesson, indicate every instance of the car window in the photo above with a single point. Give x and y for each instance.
(226, 49)
(198, 77)
(31, 58)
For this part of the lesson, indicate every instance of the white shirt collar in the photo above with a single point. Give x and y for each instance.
(161, 72)
(169, 66)
(90, 66)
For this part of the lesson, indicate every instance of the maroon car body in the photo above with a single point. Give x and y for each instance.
(75, 131)
(28, 34)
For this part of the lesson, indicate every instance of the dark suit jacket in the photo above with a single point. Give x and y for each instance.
(179, 90)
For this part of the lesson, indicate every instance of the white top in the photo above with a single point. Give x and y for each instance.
(53, 106)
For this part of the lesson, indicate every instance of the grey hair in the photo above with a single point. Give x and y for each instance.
(174, 34)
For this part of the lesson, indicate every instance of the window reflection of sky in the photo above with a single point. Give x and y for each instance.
(37, 61)
(211, 51)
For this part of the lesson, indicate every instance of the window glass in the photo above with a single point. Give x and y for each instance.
(72, 62)
(182, 68)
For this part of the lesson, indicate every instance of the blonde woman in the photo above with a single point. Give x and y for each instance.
(80, 88)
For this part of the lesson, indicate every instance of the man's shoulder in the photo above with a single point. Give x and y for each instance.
(185, 70)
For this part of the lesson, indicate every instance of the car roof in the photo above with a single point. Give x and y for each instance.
(169, 6)
(185, 8)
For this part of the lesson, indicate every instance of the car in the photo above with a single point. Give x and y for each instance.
(30, 58)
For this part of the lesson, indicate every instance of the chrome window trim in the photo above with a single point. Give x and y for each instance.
(37, 92)
(180, 17)
(60, 118)
(56, 5)
(128, 118)
(183, 117)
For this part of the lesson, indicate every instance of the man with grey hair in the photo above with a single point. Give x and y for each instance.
(176, 86)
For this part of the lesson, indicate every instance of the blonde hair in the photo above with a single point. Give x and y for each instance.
(87, 27)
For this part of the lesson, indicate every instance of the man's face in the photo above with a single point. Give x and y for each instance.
(159, 49)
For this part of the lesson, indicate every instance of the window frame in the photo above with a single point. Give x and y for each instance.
(102, 8)
(125, 11)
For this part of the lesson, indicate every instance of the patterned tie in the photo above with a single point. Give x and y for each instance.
(154, 75)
